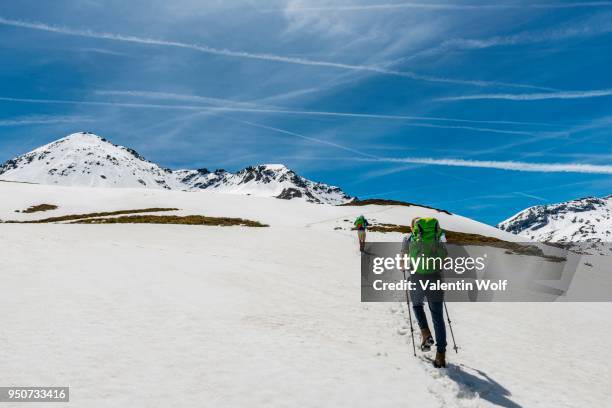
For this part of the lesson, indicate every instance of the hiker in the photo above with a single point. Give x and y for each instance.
(427, 240)
(361, 224)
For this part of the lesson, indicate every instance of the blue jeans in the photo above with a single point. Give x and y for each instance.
(436, 307)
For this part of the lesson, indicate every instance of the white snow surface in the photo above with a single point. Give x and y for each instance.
(582, 220)
(171, 315)
(85, 159)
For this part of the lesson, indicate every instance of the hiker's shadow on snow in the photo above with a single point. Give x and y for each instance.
(487, 388)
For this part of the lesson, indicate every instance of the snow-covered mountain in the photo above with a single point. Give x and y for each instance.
(84, 159)
(268, 180)
(582, 220)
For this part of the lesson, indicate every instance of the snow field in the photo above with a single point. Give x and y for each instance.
(174, 315)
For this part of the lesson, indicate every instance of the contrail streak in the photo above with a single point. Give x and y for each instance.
(288, 112)
(256, 107)
(500, 165)
(43, 120)
(176, 97)
(308, 138)
(257, 56)
(100, 103)
(588, 29)
(269, 109)
(533, 96)
(445, 6)
(374, 116)
(507, 165)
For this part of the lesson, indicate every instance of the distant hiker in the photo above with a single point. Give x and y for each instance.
(361, 224)
(427, 240)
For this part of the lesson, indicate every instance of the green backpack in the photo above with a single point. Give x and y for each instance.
(359, 222)
(425, 244)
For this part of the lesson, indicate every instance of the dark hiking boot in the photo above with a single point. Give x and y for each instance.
(440, 360)
(426, 340)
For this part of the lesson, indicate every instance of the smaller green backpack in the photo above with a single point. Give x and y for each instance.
(425, 243)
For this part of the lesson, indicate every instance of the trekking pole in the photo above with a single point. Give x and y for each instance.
(410, 315)
(451, 328)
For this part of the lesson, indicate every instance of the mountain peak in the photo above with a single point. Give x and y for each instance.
(275, 167)
(85, 136)
(86, 159)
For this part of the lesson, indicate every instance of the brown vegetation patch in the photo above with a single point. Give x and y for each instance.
(464, 238)
(40, 208)
(403, 229)
(173, 219)
(73, 217)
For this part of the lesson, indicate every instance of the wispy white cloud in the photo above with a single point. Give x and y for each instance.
(596, 93)
(416, 121)
(175, 97)
(484, 164)
(383, 172)
(382, 117)
(43, 120)
(257, 56)
(257, 107)
(276, 109)
(307, 138)
(475, 129)
(599, 123)
(507, 165)
(100, 103)
(523, 194)
(581, 30)
(103, 51)
(401, 118)
(596, 25)
(447, 6)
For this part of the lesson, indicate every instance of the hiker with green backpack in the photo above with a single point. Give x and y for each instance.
(427, 240)
(361, 224)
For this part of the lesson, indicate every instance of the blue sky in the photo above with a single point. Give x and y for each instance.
(479, 110)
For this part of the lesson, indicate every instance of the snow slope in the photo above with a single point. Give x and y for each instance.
(163, 315)
(84, 159)
(581, 220)
(268, 210)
